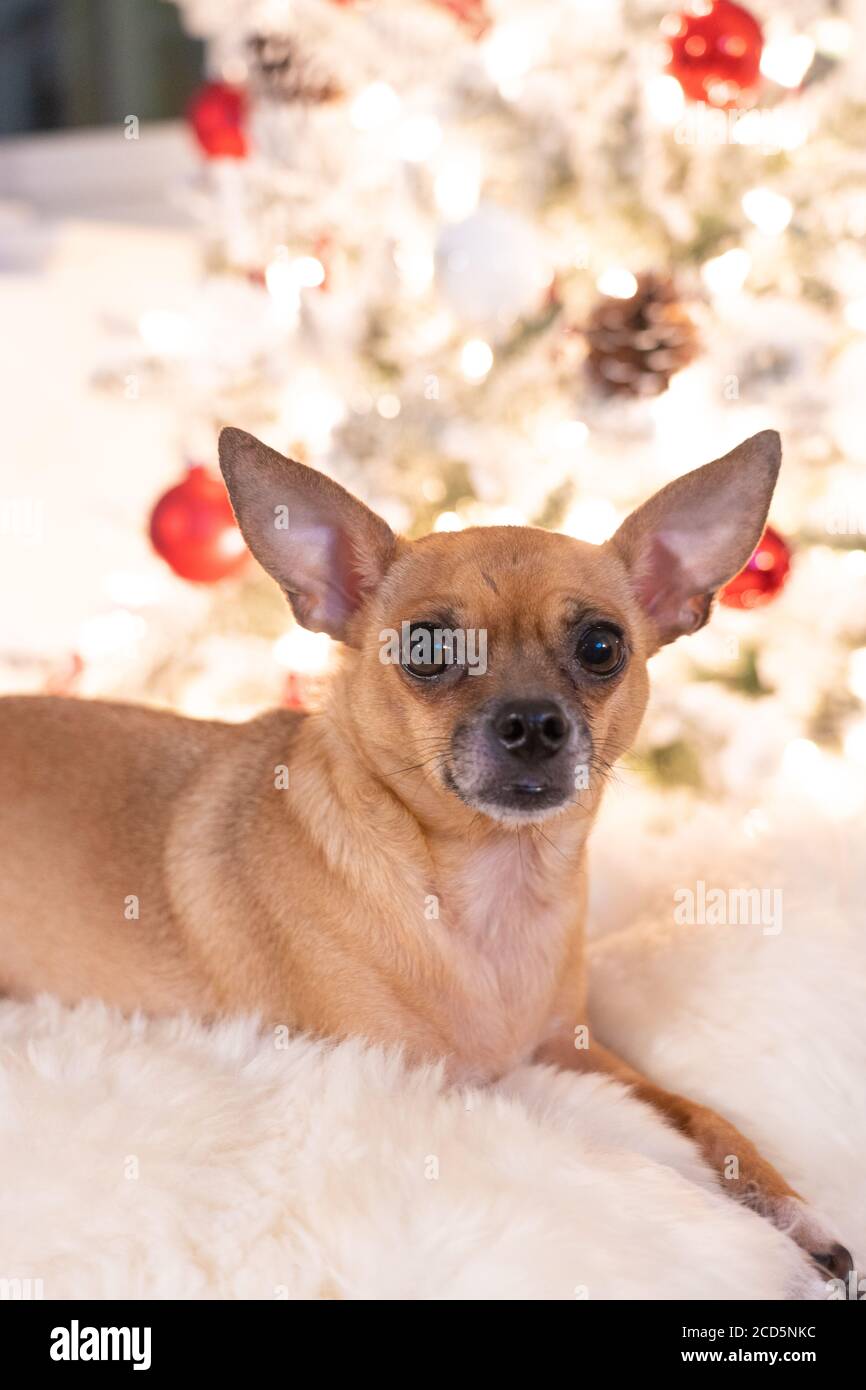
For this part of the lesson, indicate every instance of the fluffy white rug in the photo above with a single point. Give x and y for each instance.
(157, 1159)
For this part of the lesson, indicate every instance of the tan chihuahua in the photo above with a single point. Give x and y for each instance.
(361, 870)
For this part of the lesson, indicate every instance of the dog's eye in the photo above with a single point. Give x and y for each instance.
(601, 649)
(428, 652)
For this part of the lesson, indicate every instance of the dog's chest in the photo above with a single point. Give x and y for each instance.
(508, 921)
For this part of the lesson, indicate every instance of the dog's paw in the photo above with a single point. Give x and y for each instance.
(807, 1229)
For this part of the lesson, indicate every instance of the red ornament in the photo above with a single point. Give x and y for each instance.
(295, 694)
(470, 13)
(63, 679)
(193, 528)
(217, 114)
(762, 578)
(716, 49)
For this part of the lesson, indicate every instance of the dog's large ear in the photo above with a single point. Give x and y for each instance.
(325, 549)
(688, 540)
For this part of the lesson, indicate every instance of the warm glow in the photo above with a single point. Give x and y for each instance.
(448, 521)
(167, 332)
(832, 36)
(787, 59)
(476, 359)
(665, 99)
(305, 653)
(509, 52)
(374, 107)
(617, 282)
(728, 272)
(857, 673)
(801, 759)
(112, 634)
(312, 412)
(420, 138)
(571, 434)
(415, 265)
(855, 314)
(308, 271)
(134, 589)
(770, 212)
(591, 519)
(457, 185)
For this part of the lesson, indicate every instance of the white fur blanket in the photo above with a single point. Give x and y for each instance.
(158, 1159)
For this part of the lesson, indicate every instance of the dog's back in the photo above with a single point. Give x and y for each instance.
(89, 790)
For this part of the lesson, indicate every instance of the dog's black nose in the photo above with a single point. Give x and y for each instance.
(531, 729)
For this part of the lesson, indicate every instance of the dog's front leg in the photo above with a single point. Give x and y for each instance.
(742, 1171)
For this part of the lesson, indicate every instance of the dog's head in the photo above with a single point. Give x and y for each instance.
(502, 667)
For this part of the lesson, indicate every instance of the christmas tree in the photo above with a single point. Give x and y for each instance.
(525, 261)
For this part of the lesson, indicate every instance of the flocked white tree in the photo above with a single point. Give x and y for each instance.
(527, 260)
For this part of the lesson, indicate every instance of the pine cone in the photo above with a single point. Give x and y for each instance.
(636, 344)
(281, 71)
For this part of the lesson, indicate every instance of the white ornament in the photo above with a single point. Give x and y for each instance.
(491, 268)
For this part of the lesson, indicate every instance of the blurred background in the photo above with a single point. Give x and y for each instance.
(90, 62)
(482, 261)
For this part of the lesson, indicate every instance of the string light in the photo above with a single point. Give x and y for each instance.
(308, 271)
(665, 99)
(787, 59)
(728, 272)
(801, 759)
(857, 673)
(617, 283)
(476, 359)
(112, 634)
(167, 332)
(420, 138)
(286, 279)
(770, 212)
(855, 744)
(855, 314)
(305, 653)
(591, 519)
(571, 434)
(374, 107)
(508, 53)
(457, 185)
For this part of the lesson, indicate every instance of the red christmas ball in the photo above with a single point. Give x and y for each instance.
(193, 528)
(762, 578)
(217, 114)
(470, 13)
(716, 49)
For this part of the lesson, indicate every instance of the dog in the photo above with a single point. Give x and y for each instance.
(407, 864)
